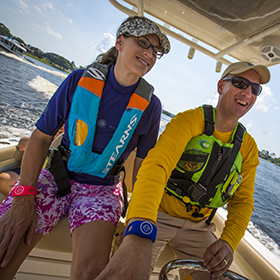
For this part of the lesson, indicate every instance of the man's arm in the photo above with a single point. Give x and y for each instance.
(131, 261)
(133, 258)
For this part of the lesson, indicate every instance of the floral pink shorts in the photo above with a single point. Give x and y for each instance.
(85, 203)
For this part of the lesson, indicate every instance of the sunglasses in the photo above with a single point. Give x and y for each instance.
(144, 43)
(243, 83)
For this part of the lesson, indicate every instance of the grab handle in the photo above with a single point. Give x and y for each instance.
(193, 265)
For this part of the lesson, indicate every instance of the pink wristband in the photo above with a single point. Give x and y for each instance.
(24, 190)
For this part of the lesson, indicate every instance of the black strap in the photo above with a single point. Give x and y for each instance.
(60, 175)
(180, 186)
(116, 169)
(125, 201)
(211, 216)
(212, 165)
(208, 120)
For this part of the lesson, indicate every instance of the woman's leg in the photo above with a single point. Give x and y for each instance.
(91, 249)
(8, 272)
(93, 215)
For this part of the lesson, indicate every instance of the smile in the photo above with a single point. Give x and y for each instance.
(241, 102)
(143, 61)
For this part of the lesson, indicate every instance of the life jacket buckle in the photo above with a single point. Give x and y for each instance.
(116, 169)
(196, 214)
(197, 192)
(65, 152)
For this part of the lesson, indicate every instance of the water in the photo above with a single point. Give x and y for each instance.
(25, 89)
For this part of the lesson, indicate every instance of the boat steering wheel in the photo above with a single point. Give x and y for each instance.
(196, 266)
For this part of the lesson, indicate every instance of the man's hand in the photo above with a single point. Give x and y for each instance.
(218, 257)
(131, 261)
(14, 223)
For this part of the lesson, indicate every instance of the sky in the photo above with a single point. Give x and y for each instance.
(80, 30)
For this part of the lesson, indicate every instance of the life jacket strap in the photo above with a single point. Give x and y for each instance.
(211, 216)
(60, 175)
(208, 120)
(125, 200)
(179, 186)
(116, 169)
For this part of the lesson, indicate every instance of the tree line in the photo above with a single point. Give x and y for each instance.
(53, 59)
(270, 157)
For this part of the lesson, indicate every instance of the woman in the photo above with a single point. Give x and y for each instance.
(100, 108)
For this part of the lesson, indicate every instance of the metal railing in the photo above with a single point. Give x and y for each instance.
(197, 267)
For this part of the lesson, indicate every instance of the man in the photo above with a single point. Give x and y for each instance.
(203, 159)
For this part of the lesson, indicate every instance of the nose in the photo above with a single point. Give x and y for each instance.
(247, 91)
(148, 52)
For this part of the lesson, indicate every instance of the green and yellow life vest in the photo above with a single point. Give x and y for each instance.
(208, 172)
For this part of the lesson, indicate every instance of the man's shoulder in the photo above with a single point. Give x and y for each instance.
(249, 139)
(249, 146)
(192, 115)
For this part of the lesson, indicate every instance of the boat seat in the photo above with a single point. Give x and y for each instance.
(10, 158)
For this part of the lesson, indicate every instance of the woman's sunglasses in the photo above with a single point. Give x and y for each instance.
(243, 83)
(144, 43)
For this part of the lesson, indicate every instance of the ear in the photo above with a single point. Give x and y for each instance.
(220, 86)
(119, 41)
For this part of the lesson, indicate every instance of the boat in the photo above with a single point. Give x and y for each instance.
(11, 45)
(51, 258)
(223, 30)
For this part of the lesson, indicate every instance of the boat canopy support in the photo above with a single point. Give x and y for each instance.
(219, 56)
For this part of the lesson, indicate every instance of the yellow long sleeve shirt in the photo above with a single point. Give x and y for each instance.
(149, 193)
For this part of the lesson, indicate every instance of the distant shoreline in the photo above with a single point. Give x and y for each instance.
(270, 160)
(171, 115)
(43, 60)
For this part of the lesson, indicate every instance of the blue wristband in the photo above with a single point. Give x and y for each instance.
(143, 229)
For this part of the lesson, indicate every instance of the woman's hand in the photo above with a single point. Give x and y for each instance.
(21, 217)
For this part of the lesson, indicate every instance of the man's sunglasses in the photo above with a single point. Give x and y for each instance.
(144, 43)
(243, 83)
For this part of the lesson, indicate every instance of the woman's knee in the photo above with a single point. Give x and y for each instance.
(88, 269)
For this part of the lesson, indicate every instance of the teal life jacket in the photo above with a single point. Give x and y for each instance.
(208, 172)
(83, 117)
